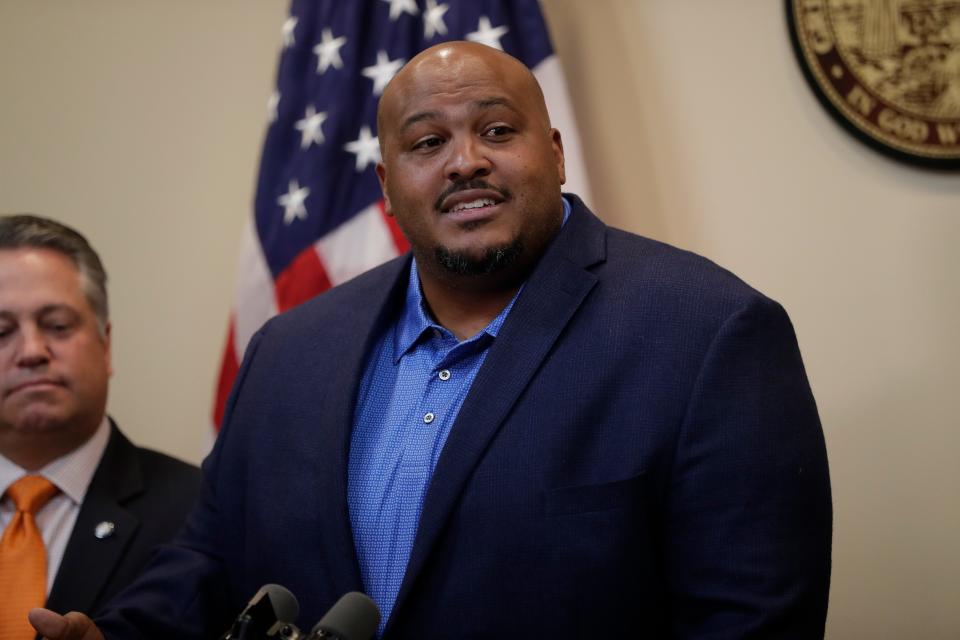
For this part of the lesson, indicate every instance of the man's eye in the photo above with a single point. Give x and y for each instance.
(498, 131)
(58, 327)
(428, 143)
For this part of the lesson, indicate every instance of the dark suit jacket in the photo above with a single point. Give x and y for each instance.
(639, 456)
(147, 496)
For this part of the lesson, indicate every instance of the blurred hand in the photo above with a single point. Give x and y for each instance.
(73, 626)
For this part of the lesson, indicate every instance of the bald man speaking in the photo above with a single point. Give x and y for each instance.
(532, 426)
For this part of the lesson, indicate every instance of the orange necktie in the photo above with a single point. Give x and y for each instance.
(23, 558)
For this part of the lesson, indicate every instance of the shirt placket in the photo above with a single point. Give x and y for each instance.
(426, 421)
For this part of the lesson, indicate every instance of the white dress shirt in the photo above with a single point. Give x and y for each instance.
(72, 474)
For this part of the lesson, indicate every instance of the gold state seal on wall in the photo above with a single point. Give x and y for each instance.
(889, 70)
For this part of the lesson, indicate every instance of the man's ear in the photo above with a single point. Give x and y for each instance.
(382, 176)
(107, 353)
(558, 152)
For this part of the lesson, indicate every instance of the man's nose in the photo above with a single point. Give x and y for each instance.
(34, 348)
(468, 159)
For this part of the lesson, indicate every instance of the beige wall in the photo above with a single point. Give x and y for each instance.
(140, 123)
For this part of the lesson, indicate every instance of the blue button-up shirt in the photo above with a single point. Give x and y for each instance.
(415, 381)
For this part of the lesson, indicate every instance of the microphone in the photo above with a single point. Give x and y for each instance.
(353, 617)
(270, 610)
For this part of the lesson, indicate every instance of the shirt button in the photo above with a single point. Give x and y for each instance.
(445, 374)
(428, 418)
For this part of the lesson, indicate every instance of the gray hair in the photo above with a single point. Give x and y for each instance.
(28, 231)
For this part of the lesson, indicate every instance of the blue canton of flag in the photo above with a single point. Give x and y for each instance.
(318, 211)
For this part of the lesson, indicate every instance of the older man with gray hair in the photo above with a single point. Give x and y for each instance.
(81, 506)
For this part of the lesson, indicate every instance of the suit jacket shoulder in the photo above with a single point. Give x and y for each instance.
(327, 314)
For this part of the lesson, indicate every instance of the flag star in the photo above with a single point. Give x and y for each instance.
(328, 51)
(292, 202)
(309, 127)
(288, 31)
(366, 148)
(382, 72)
(487, 34)
(398, 7)
(433, 19)
(273, 106)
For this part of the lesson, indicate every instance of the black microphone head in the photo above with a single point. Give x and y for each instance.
(270, 609)
(353, 617)
(285, 605)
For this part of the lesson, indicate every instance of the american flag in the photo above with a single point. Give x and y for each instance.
(318, 212)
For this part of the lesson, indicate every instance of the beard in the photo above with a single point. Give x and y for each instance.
(493, 260)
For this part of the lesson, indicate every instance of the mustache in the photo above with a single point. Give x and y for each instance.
(466, 185)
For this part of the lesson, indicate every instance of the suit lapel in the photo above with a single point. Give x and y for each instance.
(366, 322)
(551, 296)
(88, 561)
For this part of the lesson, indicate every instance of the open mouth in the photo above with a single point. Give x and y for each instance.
(471, 204)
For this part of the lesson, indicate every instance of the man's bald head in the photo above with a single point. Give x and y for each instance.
(433, 68)
(470, 167)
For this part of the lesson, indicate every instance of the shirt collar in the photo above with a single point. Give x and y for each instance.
(71, 473)
(415, 318)
(566, 210)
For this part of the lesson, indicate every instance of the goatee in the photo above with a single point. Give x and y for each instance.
(493, 260)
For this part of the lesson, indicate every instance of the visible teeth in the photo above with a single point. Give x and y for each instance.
(476, 204)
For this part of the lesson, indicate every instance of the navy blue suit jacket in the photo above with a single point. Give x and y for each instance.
(639, 456)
